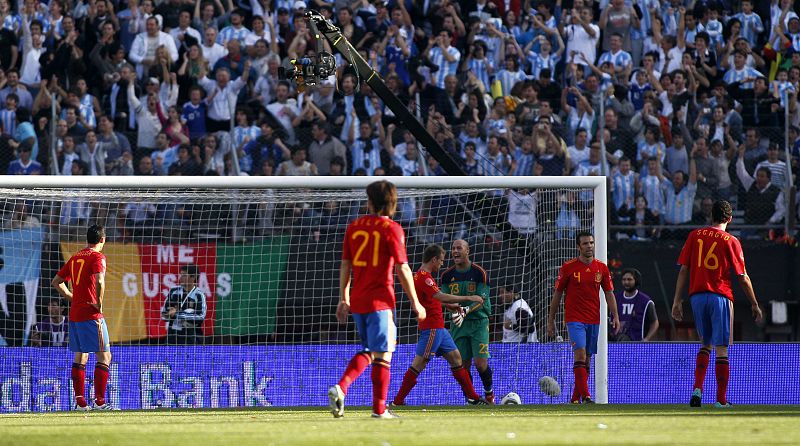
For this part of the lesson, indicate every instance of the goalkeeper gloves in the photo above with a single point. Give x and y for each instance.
(458, 316)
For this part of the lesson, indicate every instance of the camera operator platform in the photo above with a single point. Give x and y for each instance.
(311, 70)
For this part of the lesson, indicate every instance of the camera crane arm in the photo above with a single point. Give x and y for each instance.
(320, 25)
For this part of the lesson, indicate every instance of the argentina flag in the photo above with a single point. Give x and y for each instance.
(20, 262)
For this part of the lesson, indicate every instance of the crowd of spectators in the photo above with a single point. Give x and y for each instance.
(677, 101)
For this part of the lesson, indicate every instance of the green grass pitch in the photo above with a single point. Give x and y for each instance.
(501, 425)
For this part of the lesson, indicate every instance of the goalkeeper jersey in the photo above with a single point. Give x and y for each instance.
(472, 280)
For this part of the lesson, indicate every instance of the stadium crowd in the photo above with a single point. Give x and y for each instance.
(678, 101)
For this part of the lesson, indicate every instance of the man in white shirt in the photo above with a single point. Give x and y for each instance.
(670, 54)
(670, 51)
(581, 36)
(223, 93)
(184, 30)
(284, 110)
(518, 323)
(212, 51)
(579, 152)
(143, 50)
(32, 51)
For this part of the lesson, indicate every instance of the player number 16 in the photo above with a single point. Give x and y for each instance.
(710, 261)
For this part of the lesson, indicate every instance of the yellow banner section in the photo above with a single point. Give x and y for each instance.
(123, 306)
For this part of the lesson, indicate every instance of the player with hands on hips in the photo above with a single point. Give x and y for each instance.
(88, 333)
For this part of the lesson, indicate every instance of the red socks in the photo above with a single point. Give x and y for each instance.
(581, 380)
(78, 382)
(461, 374)
(100, 382)
(380, 385)
(722, 370)
(409, 381)
(380, 378)
(354, 369)
(701, 365)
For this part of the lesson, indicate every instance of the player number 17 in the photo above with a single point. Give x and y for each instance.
(77, 278)
(710, 261)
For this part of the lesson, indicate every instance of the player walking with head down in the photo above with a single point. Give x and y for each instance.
(581, 279)
(433, 338)
(86, 272)
(374, 245)
(706, 260)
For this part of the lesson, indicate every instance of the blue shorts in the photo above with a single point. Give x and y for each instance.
(89, 336)
(435, 340)
(713, 317)
(583, 336)
(377, 331)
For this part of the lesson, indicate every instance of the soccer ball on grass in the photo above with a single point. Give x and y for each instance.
(511, 398)
(549, 386)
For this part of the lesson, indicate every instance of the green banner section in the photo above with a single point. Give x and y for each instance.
(248, 286)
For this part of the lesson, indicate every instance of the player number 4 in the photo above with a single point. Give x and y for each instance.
(364, 236)
(710, 261)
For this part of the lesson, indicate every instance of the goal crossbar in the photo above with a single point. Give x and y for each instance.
(291, 182)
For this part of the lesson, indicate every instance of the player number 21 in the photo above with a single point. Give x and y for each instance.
(364, 236)
(77, 278)
(710, 261)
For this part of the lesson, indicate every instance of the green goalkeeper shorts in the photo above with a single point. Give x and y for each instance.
(472, 339)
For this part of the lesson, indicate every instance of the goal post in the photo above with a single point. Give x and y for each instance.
(296, 266)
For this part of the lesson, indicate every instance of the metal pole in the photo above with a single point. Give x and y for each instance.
(601, 253)
(420, 155)
(53, 143)
(234, 148)
(787, 195)
(236, 171)
(601, 127)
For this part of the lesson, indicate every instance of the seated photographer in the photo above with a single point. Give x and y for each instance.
(185, 309)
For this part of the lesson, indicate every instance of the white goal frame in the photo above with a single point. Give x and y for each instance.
(597, 183)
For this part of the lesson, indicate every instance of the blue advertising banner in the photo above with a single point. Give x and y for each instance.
(149, 377)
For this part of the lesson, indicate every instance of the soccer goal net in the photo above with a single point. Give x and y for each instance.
(263, 254)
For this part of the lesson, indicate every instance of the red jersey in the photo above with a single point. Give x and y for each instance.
(426, 288)
(373, 245)
(582, 284)
(710, 253)
(80, 270)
